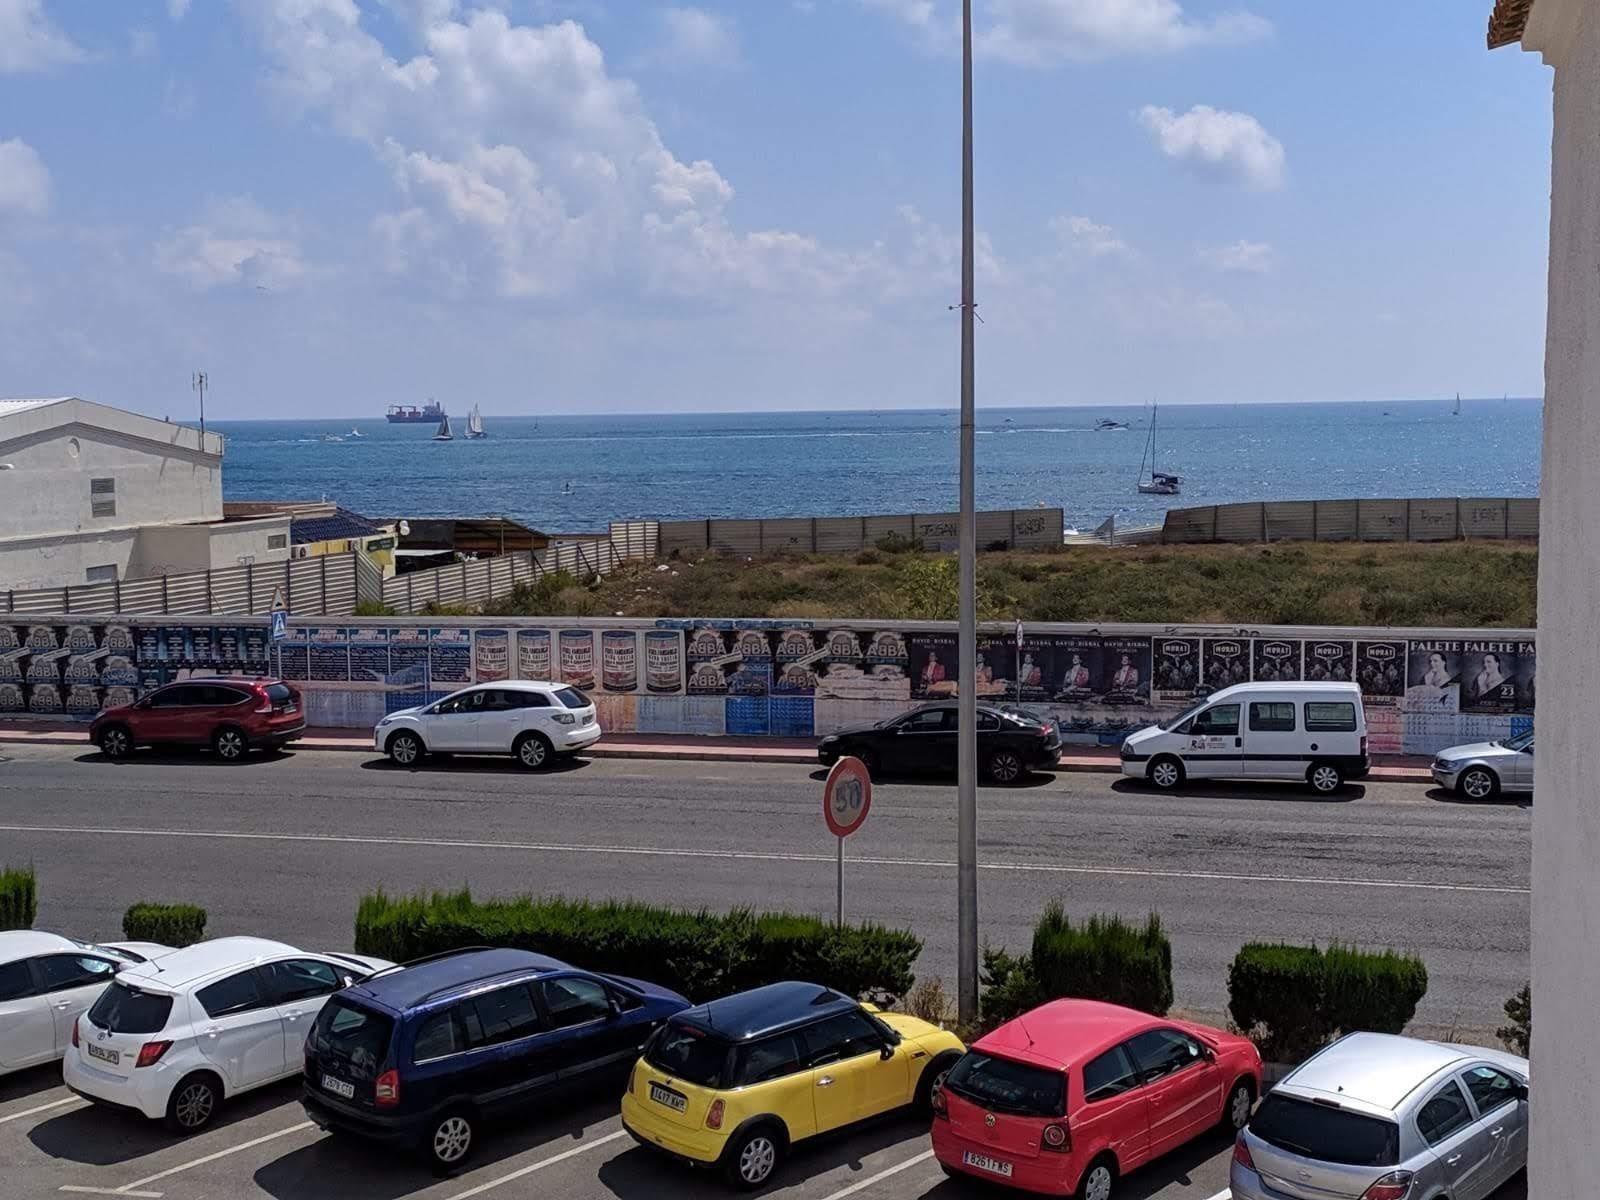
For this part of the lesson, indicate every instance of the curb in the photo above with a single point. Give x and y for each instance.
(729, 754)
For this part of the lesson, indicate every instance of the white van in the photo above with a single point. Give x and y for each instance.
(1314, 733)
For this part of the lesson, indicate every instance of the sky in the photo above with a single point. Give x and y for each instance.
(743, 205)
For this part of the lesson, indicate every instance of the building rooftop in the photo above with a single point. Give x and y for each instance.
(1508, 21)
(7, 407)
(341, 523)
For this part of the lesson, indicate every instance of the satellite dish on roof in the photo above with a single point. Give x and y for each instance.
(405, 528)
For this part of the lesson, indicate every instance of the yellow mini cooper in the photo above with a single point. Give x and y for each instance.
(736, 1082)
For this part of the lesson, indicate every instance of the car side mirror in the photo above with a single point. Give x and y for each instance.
(1527, 749)
(887, 1051)
(1521, 1091)
(1207, 1053)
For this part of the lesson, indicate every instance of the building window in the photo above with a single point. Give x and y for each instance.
(105, 574)
(277, 541)
(103, 497)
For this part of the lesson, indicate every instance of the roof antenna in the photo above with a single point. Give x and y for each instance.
(1023, 1025)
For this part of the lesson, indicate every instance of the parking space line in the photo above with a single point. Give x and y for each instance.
(863, 1184)
(99, 1191)
(1403, 885)
(1224, 1194)
(581, 1148)
(128, 1188)
(28, 1112)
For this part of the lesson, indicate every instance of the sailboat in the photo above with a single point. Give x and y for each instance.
(1456, 411)
(475, 424)
(444, 434)
(1160, 483)
(356, 433)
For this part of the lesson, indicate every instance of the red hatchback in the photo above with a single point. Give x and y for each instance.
(232, 715)
(1068, 1098)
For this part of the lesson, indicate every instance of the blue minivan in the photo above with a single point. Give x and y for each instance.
(424, 1054)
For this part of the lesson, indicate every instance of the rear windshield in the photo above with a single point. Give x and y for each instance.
(1330, 1135)
(1008, 1087)
(123, 1009)
(690, 1054)
(572, 697)
(279, 693)
(357, 1035)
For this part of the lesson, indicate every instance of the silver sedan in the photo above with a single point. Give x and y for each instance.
(1483, 770)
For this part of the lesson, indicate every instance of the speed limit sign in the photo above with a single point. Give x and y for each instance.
(847, 796)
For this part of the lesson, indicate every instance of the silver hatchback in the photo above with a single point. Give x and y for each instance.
(1483, 770)
(1376, 1117)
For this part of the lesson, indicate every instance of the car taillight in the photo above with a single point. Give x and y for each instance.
(75, 1031)
(1056, 1137)
(386, 1093)
(150, 1053)
(1241, 1154)
(941, 1106)
(714, 1115)
(1394, 1186)
(266, 704)
(1363, 745)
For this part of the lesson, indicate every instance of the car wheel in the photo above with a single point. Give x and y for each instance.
(116, 741)
(405, 749)
(1325, 778)
(753, 1157)
(932, 1077)
(533, 752)
(1236, 1113)
(1478, 783)
(1099, 1181)
(230, 744)
(193, 1104)
(1166, 773)
(1005, 766)
(449, 1140)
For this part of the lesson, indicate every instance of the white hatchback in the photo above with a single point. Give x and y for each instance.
(46, 982)
(533, 722)
(174, 1037)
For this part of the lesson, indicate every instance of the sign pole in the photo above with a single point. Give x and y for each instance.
(839, 916)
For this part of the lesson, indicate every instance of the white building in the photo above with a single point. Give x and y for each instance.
(1565, 1112)
(90, 494)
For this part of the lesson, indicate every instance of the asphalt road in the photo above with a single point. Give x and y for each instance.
(284, 846)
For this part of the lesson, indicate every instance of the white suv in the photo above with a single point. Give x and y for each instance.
(532, 722)
(174, 1037)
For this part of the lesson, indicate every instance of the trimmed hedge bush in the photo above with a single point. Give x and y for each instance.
(19, 898)
(170, 924)
(701, 954)
(1103, 959)
(1292, 1000)
(1517, 1033)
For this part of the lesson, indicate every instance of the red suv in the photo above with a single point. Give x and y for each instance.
(231, 715)
(1067, 1099)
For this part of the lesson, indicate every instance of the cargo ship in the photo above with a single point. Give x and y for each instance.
(406, 414)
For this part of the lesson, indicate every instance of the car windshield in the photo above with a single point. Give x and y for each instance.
(572, 697)
(689, 1054)
(1008, 1087)
(123, 1009)
(1172, 723)
(1519, 743)
(1324, 1134)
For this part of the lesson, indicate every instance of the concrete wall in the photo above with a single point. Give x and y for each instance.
(1354, 520)
(230, 541)
(56, 560)
(1566, 832)
(1023, 528)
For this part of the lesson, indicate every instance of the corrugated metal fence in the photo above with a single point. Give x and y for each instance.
(312, 585)
(1436, 520)
(1024, 528)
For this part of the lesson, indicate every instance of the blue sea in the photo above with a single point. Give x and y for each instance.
(574, 473)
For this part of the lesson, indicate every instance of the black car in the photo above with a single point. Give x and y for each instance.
(420, 1056)
(1011, 743)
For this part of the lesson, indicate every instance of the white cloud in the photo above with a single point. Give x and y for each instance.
(29, 42)
(1222, 144)
(24, 180)
(693, 37)
(919, 13)
(178, 9)
(236, 243)
(1098, 241)
(1039, 32)
(1256, 258)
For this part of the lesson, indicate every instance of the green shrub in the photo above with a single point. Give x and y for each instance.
(1292, 1000)
(374, 608)
(19, 898)
(701, 954)
(1009, 986)
(1275, 995)
(1104, 959)
(168, 924)
(1517, 1034)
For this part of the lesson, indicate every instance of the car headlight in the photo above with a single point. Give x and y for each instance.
(1448, 765)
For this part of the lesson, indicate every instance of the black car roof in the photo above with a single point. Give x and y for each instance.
(771, 1009)
(451, 975)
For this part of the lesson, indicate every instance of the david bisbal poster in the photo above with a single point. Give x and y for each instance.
(1497, 677)
(1433, 676)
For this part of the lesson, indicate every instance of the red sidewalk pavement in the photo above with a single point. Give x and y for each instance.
(684, 747)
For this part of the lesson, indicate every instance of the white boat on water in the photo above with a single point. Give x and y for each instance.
(1160, 483)
(332, 437)
(1456, 411)
(1106, 424)
(356, 433)
(444, 434)
(475, 424)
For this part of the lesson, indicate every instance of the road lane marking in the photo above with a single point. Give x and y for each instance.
(100, 1191)
(127, 1189)
(756, 856)
(863, 1184)
(28, 1112)
(582, 1148)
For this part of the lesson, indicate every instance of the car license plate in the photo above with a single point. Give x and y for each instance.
(338, 1087)
(984, 1163)
(111, 1056)
(674, 1101)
